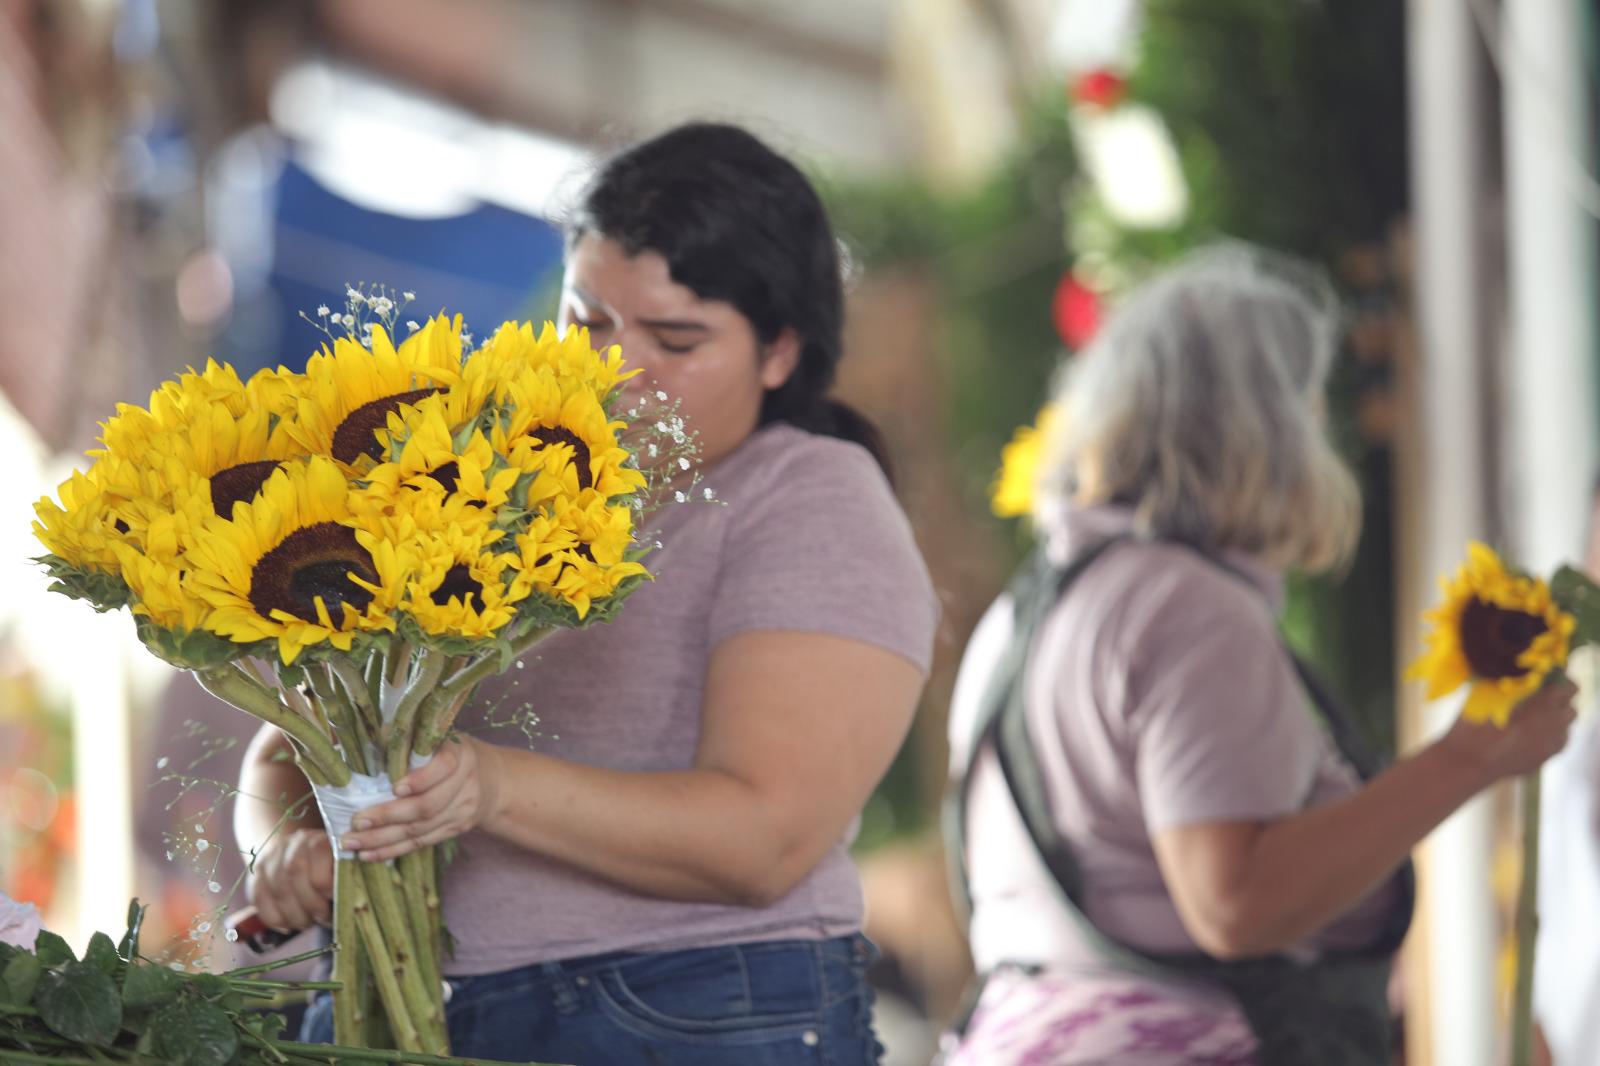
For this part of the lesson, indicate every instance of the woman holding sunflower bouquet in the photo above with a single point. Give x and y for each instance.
(666, 879)
(1176, 847)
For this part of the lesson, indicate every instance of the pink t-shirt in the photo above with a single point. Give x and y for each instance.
(809, 538)
(1157, 696)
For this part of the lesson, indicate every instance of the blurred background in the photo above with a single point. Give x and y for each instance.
(180, 180)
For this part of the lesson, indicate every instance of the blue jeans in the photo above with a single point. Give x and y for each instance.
(770, 1003)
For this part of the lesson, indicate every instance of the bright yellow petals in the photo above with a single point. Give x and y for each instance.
(282, 569)
(349, 392)
(593, 564)
(1498, 631)
(568, 357)
(161, 591)
(1012, 493)
(462, 585)
(567, 438)
(83, 529)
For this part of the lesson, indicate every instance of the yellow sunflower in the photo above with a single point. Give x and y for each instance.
(1498, 631)
(282, 568)
(565, 436)
(83, 529)
(1013, 490)
(460, 586)
(161, 591)
(348, 392)
(569, 356)
(439, 477)
(592, 564)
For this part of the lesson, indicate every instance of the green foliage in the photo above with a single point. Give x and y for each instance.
(50, 1003)
(79, 1001)
(198, 649)
(1578, 596)
(104, 592)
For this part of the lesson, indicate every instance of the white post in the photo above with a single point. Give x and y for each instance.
(98, 689)
(1446, 164)
(1550, 400)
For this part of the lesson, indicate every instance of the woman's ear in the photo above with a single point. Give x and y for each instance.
(779, 359)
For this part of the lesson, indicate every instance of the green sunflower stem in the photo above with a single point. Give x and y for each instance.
(386, 972)
(354, 682)
(424, 680)
(348, 1013)
(341, 714)
(423, 1004)
(1527, 926)
(232, 685)
(421, 911)
(444, 702)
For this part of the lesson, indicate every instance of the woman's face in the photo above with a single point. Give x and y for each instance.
(702, 353)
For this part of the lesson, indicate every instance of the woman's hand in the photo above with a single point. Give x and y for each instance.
(456, 791)
(1537, 730)
(291, 883)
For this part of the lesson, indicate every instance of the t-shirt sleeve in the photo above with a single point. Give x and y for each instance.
(822, 546)
(1220, 727)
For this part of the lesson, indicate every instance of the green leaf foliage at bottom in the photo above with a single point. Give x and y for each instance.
(193, 1032)
(80, 1002)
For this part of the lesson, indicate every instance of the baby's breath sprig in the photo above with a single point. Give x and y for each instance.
(364, 308)
(668, 453)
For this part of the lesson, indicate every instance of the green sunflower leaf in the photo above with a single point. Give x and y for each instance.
(19, 978)
(148, 985)
(194, 1033)
(52, 950)
(80, 1002)
(104, 592)
(102, 955)
(1576, 594)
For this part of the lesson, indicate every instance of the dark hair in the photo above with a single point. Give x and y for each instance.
(738, 222)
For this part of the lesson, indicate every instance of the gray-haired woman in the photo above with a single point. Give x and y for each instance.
(1176, 849)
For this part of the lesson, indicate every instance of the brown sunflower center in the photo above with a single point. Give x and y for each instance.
(357, 434)
(548, 435)
(458, 584)
(1493, 637)
(311, 562)
(581, 549)
(447, 475)
(239, 484)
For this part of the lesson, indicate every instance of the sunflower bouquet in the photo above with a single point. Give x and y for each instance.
(1505, 634)
(345, 553)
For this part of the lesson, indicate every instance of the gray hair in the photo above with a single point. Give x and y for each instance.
(1199, 405)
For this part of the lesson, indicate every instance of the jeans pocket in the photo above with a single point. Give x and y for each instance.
(752, 992)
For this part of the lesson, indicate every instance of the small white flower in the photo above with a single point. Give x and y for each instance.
(413, 325)
(711, 494)
(169, 856)
(348, 321)
(680, 497)
(683, 464)
(519, 664)
(231, 935)
(175, 966)
(161, 763)
(653, 451)
(205, 927)
(658, 545)
(198, 828)
(202, 844)
(661, 427)
(409, 295)
(660, 395)
(383, 305)
(466, 340)
(352, 294)
(322, 311)
(212, 886)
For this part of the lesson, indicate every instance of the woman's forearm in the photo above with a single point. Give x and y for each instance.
(273, 793)
(698, 834)
(1303, 872)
